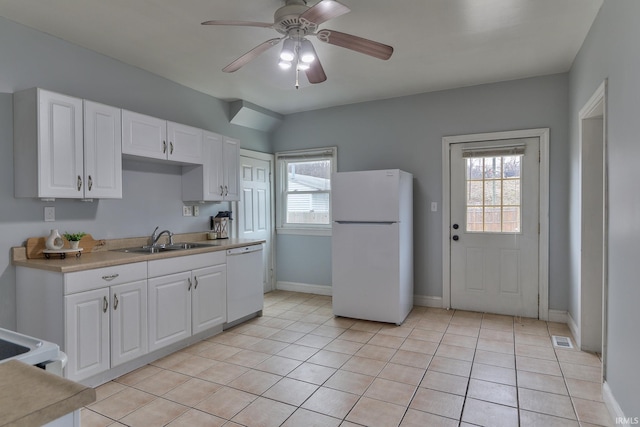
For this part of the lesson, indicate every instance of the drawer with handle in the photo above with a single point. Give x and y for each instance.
(97, 278)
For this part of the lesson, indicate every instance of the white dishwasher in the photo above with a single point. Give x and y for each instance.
(245, 287)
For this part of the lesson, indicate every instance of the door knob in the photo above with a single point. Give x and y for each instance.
(455, 237)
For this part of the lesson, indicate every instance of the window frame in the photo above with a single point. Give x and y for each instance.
(282, 160)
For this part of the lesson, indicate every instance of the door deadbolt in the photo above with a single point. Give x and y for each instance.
(455, 237)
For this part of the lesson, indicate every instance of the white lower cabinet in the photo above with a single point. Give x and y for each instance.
(209, 298)
(128, 322)
(169, 309)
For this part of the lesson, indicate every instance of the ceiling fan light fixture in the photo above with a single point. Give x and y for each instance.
(285, 65)
(307, 53)
(288, 50)
(303, 66)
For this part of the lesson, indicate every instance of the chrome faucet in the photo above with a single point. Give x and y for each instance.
(155, 236)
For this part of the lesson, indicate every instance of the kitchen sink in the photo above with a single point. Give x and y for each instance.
(155, 249)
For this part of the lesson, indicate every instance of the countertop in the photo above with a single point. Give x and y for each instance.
(30, 396)
(109, 258)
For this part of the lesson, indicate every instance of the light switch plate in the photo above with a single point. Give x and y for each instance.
(196, 210)
(186, 211)
(49, 213)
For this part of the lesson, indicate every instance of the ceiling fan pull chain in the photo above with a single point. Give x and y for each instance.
(297, 81)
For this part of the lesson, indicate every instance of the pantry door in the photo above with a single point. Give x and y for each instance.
(494, 208)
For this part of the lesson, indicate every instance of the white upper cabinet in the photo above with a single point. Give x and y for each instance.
(48, 152)
(218, 179)
(102, 151)
(150, 137)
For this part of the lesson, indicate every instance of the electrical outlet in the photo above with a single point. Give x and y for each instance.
(196, 210)
(49, 213)
(186, 211)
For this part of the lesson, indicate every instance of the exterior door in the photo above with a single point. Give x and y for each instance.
(495, 226)
(254, 208)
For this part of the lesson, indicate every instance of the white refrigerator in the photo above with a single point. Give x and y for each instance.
(372, 245)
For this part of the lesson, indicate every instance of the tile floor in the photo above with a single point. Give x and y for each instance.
(299, 366)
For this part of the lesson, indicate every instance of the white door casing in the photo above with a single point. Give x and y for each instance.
(486, 251)
(255, 208)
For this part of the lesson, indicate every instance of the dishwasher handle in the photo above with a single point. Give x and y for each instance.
(244, 250)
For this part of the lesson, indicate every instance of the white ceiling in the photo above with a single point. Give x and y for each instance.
(439, 44)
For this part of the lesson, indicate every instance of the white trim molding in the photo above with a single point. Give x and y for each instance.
(304, 288)
(427, 301)
(614, 408)
(558, 316)
(543, 241)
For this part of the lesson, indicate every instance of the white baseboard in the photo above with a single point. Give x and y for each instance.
(558, 316)
(426, 301)
(614, 409)
(304, 288)
(575, 330)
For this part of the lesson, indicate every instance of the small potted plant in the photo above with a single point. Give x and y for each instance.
(74, 238)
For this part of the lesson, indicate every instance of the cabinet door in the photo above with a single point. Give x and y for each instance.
(144, 136)
(129, 338)
(102, 151)
(87, 333)
(231, 154)
(185, 143)
(209, 297)
(169, 309)
(60, 146)
(213, 168)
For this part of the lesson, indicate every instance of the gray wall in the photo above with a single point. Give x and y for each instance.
(611, 51)
(151, 193)
(406, 133)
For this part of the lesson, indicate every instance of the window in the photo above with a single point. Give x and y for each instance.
(304, 184)
(493, 196)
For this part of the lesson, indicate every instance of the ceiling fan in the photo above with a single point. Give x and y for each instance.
(295, 21)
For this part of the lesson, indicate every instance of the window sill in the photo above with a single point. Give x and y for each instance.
(301, 231)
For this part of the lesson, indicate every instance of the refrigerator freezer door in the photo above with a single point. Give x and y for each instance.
(366, 275)
(368, 196)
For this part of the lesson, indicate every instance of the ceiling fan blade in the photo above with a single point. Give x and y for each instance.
(252, 54)
(359, 44)
(240, 23)
(323, 11)
(315, 73)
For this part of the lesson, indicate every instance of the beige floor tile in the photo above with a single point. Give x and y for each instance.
(303, 327)
(584, 389)
(356, 336)
(429, 324)
(249, 358)
(278, 365)
(328, 331)
(438, 403)
(411, 358)
(291, 391)
(578, 357)
(264, 413)
(546, 403)
(386, 341)
(374, 413)
(459, 340)
(376, 352)
(192, 392)
(582, 372)
(495, 346)
(539, 340)
(419, 346)
(315, 341)
(426, 335)
(93, 419)
(497, 335)
(160, 383)
(340, 322)
(311, 373)
(489, 414)
(467, 331)
(535, 351)
(194, 417)
(268, 346)
(223, 373)
(542, 382)
(343, 346)
(235, 340)
(286, 336)
(396, 331)
(541, 366)
(367, 326)
(193, 365)
(495, 359)
(274, 322)
(108, 389)
(298, 352)
(447, 383)
(255, 382)
(139, 374)
(592, 412)
(493, 392)
(304, 417)
(226, 402)
(363, 365)
(450, 366)
(534, 419)
(328, 358)
(391, 391)
(334, 403)
(122, 403)
(415, 418)
(351, 382)
(288, 315)
(402, 373)
(455, 352)
(168, 361)
(493, 374)
(199, 347)
(157, 413)
(219, 352)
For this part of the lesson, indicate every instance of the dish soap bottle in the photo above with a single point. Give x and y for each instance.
(54, 241)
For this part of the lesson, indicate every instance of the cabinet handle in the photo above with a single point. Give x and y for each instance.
(221, 190)
(196, 285)
(170, 147)
(90, 183)
(226, 190)
(189, 288)
(79, 182)
(115, 302)
(105, 304)
(164, 147)
(110, 277)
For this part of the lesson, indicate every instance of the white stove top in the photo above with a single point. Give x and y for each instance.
(26, 349)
